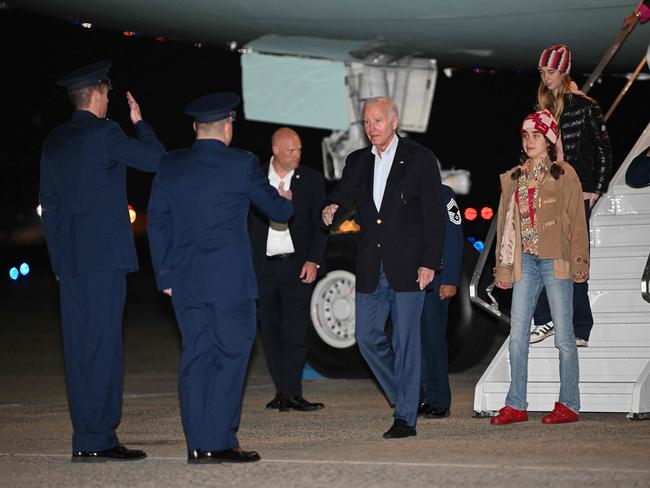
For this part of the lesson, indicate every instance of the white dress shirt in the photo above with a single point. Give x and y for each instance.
(279, 239)
(383, 164)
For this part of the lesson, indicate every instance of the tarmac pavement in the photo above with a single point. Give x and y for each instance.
(340, 446)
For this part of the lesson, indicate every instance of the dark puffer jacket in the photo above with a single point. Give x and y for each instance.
(585, 142)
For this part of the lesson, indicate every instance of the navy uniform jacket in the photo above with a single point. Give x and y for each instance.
(452, 255)
(407, 232)
(83, 193)
(197, 221)
(309, 240)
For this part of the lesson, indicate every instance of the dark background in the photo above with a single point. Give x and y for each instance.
(474, 119)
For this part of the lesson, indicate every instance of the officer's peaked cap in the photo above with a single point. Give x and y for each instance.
(89, 75)
(213, 107)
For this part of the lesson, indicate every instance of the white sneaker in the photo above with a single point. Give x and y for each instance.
(581, 342)
(542, 332)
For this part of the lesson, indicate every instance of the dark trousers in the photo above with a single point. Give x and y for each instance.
(284, 318)
(435, 374)
(583, 320)
(217, 341)
(92, 306)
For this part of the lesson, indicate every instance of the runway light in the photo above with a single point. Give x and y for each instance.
(470, 213)
(487, 213)
(87, 25)
(24, 269)
(128, 33)
(13, 273)
(198, 44)
(132, 214)
(160, 39)
(478, 245)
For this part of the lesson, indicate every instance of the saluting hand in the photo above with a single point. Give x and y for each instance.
(328, 213)
(425, 276)
(284, 194)
(136, 115)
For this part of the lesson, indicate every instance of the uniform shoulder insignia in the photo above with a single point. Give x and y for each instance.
(454, 212)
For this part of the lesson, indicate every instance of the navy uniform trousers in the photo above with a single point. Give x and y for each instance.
(435, 371)
(217, 341)
(92, 306)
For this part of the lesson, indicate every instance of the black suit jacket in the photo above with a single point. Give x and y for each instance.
(408, 231)
(307, 234)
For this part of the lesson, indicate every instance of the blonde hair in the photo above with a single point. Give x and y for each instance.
(552, 103)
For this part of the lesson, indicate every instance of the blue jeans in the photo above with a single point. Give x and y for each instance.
(397, 369)
(538, 273)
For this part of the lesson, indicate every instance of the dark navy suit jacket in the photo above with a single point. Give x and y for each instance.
(452, 255)
(83, 193)
(408, 231)
(197, 221)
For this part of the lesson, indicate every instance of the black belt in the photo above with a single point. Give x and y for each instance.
(281, 257)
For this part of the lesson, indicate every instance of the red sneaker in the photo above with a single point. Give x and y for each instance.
(509, 415)
(561, 414)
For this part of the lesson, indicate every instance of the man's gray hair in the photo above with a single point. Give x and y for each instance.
(390, 104)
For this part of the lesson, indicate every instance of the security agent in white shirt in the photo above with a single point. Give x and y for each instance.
(288, 258)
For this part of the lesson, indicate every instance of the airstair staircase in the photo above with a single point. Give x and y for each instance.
(615, 368)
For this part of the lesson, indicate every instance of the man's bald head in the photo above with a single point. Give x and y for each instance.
(287, 149)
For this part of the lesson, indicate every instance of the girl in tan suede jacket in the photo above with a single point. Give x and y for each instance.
(541, 242)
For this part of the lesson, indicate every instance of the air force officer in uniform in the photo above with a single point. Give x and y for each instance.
(435, 374)
(395, 185)
(90, 241)
(202, 257)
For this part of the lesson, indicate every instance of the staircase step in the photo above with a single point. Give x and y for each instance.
(620, 301)
(609, 318)
(605, 282)
(621, 333)
(624, 204)
(619, 230)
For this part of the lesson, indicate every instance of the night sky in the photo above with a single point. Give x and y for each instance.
(474, 122)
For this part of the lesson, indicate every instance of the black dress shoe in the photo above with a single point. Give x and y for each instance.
(275, 403)
(117, 453)
(424, 408)
(235, 455)
(399, 429)
(437, 413)
(299, 404)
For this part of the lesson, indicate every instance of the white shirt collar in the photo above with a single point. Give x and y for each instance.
(274, 175)
(389, 150)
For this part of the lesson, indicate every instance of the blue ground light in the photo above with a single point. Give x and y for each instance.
(13, 273)
(24, 269)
